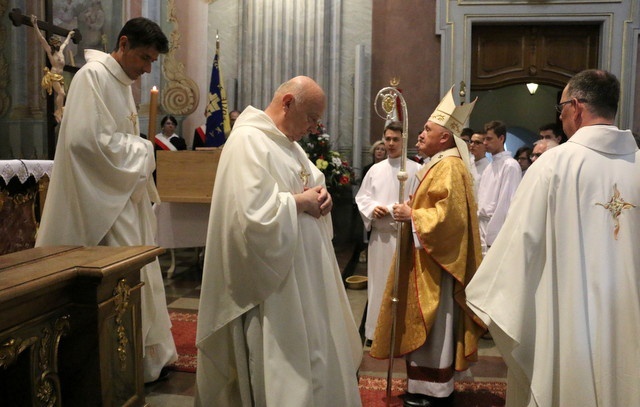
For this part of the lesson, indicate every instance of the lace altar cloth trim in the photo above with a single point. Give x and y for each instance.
(22, 169)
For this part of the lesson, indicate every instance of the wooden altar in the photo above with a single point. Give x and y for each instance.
(70, 330)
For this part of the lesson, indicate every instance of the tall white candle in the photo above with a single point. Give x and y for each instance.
(153, 111)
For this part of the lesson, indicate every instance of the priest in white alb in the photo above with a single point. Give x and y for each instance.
(559, 287)
(101, 185)
(275, 326)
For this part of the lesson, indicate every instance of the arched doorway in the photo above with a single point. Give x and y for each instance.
(506, 57)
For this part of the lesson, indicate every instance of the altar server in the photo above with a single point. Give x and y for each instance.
(375, 199)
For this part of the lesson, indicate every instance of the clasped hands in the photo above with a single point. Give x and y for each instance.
(315, 201)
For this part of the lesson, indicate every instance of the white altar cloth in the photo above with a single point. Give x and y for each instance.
(181, 225)
(23, 169)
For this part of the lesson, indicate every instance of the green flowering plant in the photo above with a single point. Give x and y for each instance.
(336, 169)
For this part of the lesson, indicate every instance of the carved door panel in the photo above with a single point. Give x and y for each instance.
(548, 54)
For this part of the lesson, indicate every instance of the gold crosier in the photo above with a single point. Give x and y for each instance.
(389, 98)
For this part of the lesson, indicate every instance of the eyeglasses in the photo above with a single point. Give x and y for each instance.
(560, 105)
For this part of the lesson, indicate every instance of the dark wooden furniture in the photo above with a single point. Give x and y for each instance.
(23, 190)
(70, 330)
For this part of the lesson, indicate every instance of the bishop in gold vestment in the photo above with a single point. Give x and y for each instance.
(439, 253)
(446, 222)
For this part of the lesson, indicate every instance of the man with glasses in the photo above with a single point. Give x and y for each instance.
(275, 327)
(479, 152)
(559, 289)
(523, 156)
(541, 146)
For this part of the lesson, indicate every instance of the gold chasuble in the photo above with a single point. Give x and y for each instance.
(444, 215)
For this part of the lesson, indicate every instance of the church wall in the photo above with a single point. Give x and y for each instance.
(345, 25)
(405, 46)
(636, 117)
(413, 40)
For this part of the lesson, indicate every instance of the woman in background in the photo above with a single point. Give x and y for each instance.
(168, 139)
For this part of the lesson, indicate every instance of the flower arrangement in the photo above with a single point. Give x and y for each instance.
(336, 169)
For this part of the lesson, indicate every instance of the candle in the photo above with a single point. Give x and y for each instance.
(153, 110)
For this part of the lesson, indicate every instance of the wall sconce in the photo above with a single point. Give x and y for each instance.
(533, 87)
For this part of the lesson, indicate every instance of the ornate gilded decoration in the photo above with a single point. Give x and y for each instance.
(11, 348)
(48, 385)
(388, 104)
(304, 176)
(45, 347)
(121, 295)
(615, 206)
(49, 78)
(180, 95)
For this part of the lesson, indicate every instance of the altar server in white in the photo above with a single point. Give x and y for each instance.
(559, 287)
(275, 326)
(375, 199)
(498, 184)
(102, 186)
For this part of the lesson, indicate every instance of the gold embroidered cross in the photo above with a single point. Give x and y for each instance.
(134, 120)
(616, 205)
(304, 176)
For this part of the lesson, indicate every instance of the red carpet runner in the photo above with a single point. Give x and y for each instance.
(372, 389)
(184, 335)
(373, 392)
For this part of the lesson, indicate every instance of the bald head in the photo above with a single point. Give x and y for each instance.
(296, 107)
(541, 146)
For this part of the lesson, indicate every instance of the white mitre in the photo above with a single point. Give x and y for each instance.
(453, 118)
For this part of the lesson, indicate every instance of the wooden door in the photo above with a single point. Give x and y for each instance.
(547, 54)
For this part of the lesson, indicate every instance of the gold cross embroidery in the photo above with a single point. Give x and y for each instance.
(134, 120)
(304, 176)
(616, 205)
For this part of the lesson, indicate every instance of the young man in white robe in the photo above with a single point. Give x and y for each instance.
(102, 186)
(498, 183)
(559, 288)
(375, 199)
(275, 326)
(480, 160)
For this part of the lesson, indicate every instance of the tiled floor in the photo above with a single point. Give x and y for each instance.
(183, 291)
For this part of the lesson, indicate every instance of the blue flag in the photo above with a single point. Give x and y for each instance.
(218, 126)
